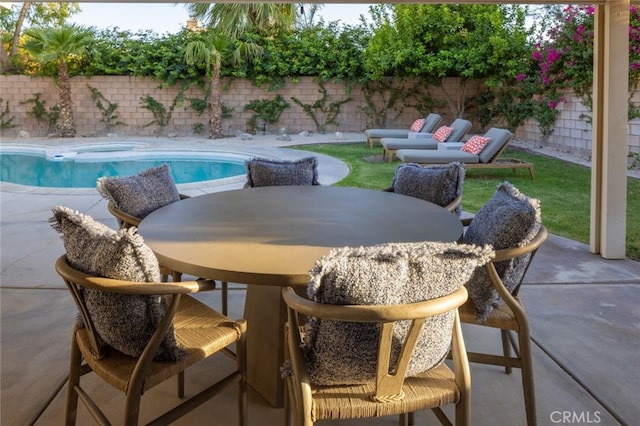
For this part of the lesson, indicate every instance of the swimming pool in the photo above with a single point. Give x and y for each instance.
(81, 169)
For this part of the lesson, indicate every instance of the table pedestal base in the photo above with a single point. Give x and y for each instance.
(265, 341)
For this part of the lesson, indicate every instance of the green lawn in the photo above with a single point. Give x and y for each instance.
(562, 187)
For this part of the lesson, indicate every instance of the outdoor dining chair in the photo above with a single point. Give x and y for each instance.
(132, 198)
(509, 222)
(135, 332)
(377, 330)
(438, 184)
(275, 172)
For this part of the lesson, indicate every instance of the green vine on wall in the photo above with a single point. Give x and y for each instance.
(107, 109)
(162, 115)
(46, 117)
(322, 114)
(200, 106)
(6, 122)
(268, 110)
(381, 97)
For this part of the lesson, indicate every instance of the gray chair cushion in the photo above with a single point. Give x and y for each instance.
(140, 194)
(263, 172)
(124, 322)
(439, 184)
(509, 219)
(344, 352)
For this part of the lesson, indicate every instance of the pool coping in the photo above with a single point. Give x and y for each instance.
(331, 169)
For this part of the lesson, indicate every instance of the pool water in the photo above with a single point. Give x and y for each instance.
(60, 172)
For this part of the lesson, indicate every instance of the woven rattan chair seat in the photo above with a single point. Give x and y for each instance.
(198, 329)
(432, 388)
(501, 317)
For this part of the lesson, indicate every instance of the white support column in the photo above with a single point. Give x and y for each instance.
(610, 123)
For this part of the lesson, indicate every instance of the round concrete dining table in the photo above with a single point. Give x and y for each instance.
(269, 237)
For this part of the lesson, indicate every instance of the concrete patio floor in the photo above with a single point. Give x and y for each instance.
(583, 312)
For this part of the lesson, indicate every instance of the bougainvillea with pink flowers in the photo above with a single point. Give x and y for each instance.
(565, 57)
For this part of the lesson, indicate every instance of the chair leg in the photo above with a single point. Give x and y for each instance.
(402, 419)
(463, 412)
(506, 348)
(241, 360)
(225, 295)
(181, 384)
(528, 386)
(75, 368)
(132, 409)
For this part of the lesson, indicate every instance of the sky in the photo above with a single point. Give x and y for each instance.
(170, 17)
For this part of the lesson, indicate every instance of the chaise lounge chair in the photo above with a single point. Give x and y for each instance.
(487, 157)
(390, 145)
(373, 135)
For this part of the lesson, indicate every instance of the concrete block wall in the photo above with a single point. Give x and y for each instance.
(572, 130)
(127, 93)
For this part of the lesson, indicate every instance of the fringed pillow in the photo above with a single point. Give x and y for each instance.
(509, 219)
(140, 194)
(339, 352)
(439, 184)
(124, 322)
(263, 172)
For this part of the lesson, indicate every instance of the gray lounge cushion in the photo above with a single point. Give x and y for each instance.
(140, 194)
(344, 352)
(436, 156)
(124, 322)
(460, 128)
(439, 184)
(263, 172)
(509, 219)
(498, 138)
(406, 143)
(430, 123)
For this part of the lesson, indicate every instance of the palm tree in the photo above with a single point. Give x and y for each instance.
(59, 46)
(228, 22)
(212, 51)
(234, 19)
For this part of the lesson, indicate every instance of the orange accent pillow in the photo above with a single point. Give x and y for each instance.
(418, 125)
(442, 133)
(475, 144)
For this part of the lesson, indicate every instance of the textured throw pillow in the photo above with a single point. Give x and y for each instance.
(418, 125)
(439, 184)
(509, 219)
(475, 144)
(124, 322)
(442, 133)
(140, 194)
(338, 352)
(262, 172)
